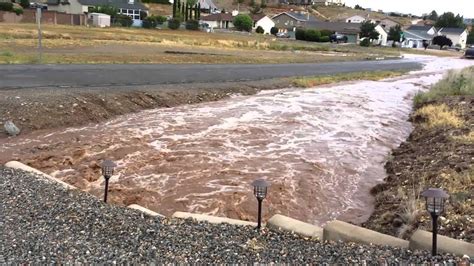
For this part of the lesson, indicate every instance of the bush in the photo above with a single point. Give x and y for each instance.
(161, 19)
(149, 22)
(123, 20)
(6, 6)
(300, 34)
(274, 30)
(326, 33)
(365, 42)
(174, 24)
(324, 39)
(312, 35)
(260, 30)
(25, 3)
(243, 22)
(192, 25)
(18, 11)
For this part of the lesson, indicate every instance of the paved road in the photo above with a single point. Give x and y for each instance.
(34, 76)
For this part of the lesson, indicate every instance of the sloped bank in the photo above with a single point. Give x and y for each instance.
(438, 153)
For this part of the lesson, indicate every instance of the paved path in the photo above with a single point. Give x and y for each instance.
(33, 76)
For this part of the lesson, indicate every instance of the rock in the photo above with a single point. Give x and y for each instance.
(11, 128)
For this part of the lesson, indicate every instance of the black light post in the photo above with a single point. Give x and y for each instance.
(107, 171)
(260, 191)
(435, 199)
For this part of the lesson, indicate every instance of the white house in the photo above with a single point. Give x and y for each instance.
(219, 20)
(457, 35)
(263, 21)
(355, 19)
(328, 2)
(383, 35)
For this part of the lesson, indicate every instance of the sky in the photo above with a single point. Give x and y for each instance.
(418, 7)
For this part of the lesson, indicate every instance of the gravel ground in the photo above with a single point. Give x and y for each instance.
(41, 222)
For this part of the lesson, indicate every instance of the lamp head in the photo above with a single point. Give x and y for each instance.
(260, 188)
(435, 200)
(108, 168)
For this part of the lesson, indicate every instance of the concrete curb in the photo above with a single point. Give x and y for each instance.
(211, 219)
(422, 240)
(289, 224)
(144, 210)
(341, 231)
(26, 168)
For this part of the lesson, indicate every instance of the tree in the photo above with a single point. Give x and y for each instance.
(300, 34)
(312, 35)
(442, 41)
(243, 22)
(448, 19)
(260, 30)
(470, 37)
(395, 33)
(433, 15)
(367, 30)
(358, 7)
(274, 30)
(25, 3)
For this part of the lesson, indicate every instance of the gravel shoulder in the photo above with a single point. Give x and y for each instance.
(44, 223)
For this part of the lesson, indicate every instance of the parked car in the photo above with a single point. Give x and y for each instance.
(338, 38)
(469, 53)
(282, 35)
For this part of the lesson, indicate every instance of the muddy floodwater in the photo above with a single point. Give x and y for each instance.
(321, 148)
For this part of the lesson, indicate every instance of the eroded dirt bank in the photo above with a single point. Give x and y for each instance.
(441, 156)
(48, 108)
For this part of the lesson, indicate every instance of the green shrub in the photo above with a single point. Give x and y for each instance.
(274, 30)
(260, 30)
(161, 19)
(243, 22)
(312, 35)
(123, 20)
(192, 25)
(149, 22)
(25, 3)
(324, 39)
(18, 11)
(6, 6)
(365, 42)
(326, 33)
(300, 34)
(174, 24)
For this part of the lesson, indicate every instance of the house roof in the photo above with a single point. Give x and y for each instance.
(297, 16)
(257, 17)
(115, 3)
(207, 4)
(341, 27)
(419, 28)
(356, 16)
(218, 17)
(458, 31)
(417, 35)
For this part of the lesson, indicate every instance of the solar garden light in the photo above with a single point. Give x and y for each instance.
(260, 191)
(107, 171)
(435, 199)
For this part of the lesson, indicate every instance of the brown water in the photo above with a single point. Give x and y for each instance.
(322, 149)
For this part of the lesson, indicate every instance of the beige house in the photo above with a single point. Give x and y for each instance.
(457, 35)
(355, 19)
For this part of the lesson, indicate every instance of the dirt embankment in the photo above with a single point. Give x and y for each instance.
(46, 108)
(439, 153)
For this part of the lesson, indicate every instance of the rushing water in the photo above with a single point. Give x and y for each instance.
(321, 148)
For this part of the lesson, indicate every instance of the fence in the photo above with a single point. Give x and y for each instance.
(48, 17)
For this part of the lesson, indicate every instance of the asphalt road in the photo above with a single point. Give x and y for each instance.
(63, 76)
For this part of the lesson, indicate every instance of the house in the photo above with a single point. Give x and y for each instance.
(457, 35)
(219, 20)
(383, 35)
(208, 5)
(414, 36)
(350, 30)
(263, 21)
(328, 2)
(131, 8)
(355, 19)
(289, 20)
(387, 23)
(429, 29)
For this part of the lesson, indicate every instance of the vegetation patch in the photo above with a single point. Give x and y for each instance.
(308, 82)
(439, 115)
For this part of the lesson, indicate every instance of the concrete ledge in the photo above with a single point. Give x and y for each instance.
(211, 219)
(292, 225)
(422, 240)
(26, 168)
(341, 231)
(145, 210)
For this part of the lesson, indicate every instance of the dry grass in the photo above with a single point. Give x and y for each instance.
(467, 139)
(308, 82)
(440, 115)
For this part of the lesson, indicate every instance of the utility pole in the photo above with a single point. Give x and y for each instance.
(38, 21)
